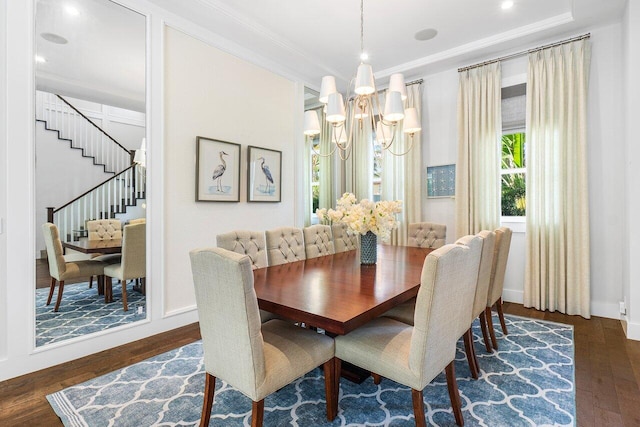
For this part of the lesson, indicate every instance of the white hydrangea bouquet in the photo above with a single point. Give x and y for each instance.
(364, 216)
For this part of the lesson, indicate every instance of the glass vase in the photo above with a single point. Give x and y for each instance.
(368, 248)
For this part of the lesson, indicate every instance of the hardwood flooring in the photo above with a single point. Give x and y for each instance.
(607, 372)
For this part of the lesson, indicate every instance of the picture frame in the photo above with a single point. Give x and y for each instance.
(217, 170)
(264, 174)
(441, 181)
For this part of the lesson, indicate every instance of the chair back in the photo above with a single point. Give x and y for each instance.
(134, 251)
(484, 273)
(250, 243)
(343, 240)
(285, 244)
(229, 317)
(427, 235)
(104, 229)
(318, 241)
(55, 253)
(138, 221)
(500, 257)
(443, 304)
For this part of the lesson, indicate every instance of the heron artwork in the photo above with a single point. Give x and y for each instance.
(267, 175)
(219, 171)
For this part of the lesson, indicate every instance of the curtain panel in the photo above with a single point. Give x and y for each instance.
(479, 136)
(557, 266)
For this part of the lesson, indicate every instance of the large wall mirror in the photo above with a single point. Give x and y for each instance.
(90, 174)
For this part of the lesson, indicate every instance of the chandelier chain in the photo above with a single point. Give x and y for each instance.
(361, 26)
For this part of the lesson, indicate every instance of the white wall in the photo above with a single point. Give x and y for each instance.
(3, 174)
(606, 142)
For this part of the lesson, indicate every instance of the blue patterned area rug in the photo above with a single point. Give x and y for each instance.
(82, 311)
(529, 382)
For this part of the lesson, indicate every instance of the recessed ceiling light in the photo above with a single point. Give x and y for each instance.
(426, 34)
(508, 4)
(54, 38)
(40, 59)
(71, 10)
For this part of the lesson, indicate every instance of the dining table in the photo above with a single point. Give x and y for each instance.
(108, 246)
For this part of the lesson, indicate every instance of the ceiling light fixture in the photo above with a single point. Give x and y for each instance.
(71, 10)
(348, 119)
(54, 38)
(508, 4)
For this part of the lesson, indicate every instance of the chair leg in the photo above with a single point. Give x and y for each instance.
(376, 378)
(51, 289)
(338, 364)
(485, 331)
(492, 332)
(257, 413)
(90, 282)
(124, 295)
(331, 394)
(59, 299)
(468, 349)
(454, 394)
(418, 408)
(209, 390)
(108, 289)
(501, 315)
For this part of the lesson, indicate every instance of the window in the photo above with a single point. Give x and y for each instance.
(513, 166)
(315, 179)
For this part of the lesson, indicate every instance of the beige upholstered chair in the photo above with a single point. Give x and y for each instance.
(343, 240)
(134, 261)
(138, 221)
(414, 355)
(318, 241)
(61, 269)
(104, 229)
(285, 244)
(257, 360)
(427, 235)
(251, 243)
(500, 257)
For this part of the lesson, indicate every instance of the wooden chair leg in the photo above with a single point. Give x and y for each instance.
(108, 289)
(59, 299)
(492, 333)
(124, 295)
(454, 394)
(485, 331)
(501, 315)
(376, 378)
(90, 282)
(331, 394)
(257, 413)
(209, 390)
(51, 289)
(468, 349)
(418, 407)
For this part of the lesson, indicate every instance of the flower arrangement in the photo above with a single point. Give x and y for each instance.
(363, 216)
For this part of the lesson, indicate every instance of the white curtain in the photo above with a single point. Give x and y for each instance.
(327, 197)
(557, 265)
(359, 165)
(479, 136)
(401, 174)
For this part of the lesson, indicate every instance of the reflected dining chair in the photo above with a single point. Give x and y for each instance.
(252, 244)
(500, 257)
(414, 355)
(257, 359)
(104, 229)
(133, 264)
(318, 241)
(285, 244)
(427, 235)
(62, 269)
(138, 221)
(344, 240)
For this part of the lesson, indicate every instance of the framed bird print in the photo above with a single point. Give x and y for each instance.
(217, 170)
(263, 174)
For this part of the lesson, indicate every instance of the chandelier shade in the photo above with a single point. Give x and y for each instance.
(335, 108)
(311, 123)
(396, 84)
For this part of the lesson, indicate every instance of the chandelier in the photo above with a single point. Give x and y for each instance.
(360, 110)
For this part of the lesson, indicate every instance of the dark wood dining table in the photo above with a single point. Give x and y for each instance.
(110, 246)
(335, 292)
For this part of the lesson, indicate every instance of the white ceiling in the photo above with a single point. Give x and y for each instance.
(306, 39)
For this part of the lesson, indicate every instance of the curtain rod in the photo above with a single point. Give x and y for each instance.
(525, 52)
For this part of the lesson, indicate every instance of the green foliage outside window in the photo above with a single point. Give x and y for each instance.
(513, 183)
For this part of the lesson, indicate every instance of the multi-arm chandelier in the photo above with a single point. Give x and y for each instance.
(361, 108)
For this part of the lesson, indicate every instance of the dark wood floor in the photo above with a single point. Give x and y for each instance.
(607, 373)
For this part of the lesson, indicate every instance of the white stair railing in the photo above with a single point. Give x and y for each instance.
(103, 201)
(82, 133)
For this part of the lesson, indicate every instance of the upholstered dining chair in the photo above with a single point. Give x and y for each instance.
(500, 257)
(257, 359)
(138, 221)
(427, 235)
(343, 240)
(318, 241)
(252, 244)
(104, 229)
(285, 244)
(62, 269)
(415, 355)
(133, 264)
